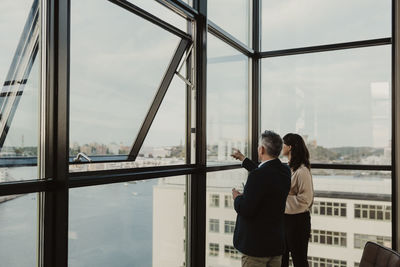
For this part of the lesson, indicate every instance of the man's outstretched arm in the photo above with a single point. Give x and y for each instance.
(247, 163)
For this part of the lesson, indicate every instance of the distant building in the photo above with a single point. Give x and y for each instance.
(348, 211)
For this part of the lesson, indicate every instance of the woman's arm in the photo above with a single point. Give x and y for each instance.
(301, 201)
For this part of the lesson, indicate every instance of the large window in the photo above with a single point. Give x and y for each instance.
(116, 71)
(327, 76)
(292, 24)
(19, 96)
(118, 119)
(227, 101)
(128, 223)
(338, 101)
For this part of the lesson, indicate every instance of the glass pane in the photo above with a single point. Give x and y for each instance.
(289, 24)
(128, 224)
(227, 101)
(165, 142)
(164, 13)
(220, 184)
(19, 97)
(340, 102)
(232, 16)
(356, 189)
(117, 63)
(18, 230)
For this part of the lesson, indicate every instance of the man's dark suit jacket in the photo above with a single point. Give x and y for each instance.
(260, 209)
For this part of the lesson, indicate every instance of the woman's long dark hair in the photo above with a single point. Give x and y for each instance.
(299, 152)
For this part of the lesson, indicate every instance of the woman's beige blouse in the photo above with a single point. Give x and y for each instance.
(301, 194)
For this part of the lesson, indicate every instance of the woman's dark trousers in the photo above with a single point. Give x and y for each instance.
(297, 234)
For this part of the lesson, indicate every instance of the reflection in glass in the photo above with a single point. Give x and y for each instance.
(340, 102)
(233, 17)
(289, 24)
(18, 230)
(227, 101)
(138, 223)
(117, 62)
(221, 218)
(19, 79)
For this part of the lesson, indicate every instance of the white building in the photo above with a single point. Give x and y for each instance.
(348, 210)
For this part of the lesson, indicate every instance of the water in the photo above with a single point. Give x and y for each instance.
(18, 231)
(110, 225)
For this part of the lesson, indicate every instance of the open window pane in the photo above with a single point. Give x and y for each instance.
(117, 63)
(339, 101)
(227, 101)
(291, 24)
(18, 230)
(139, 223)
(19, 97)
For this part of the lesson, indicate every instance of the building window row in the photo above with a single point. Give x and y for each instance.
(228, 201)
(214, 249)
(324, 262)
(214, 225)
(373, 212)
(214, 201)
(329, 208)
(231, 252)
(229, 227)
(360, 240)
(329, 238)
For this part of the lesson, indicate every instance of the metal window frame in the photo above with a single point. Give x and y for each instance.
(151, 18)
(19, 71)
(181, 8)
(53, 161)
(162, 90)
(395, 125)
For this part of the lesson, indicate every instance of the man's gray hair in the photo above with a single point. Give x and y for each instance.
(272, 143)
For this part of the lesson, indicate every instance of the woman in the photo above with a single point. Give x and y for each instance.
(299, 201)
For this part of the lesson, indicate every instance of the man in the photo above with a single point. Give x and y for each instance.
(259, 231)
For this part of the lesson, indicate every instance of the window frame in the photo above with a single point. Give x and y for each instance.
(55, 179)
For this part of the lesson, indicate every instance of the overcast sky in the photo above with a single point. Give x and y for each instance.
(118, 60)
